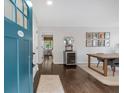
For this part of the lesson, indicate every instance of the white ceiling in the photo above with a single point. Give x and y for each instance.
(77, 13)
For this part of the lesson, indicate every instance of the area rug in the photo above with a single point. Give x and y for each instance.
(110, 80)
(50, 84)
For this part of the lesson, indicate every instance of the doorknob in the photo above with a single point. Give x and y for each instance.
(34, 53)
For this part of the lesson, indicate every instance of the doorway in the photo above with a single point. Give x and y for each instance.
(48, 47)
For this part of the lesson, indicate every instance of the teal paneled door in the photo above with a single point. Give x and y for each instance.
(10, 58)
(18, 52)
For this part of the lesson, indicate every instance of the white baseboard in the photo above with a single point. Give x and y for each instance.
(35, 69)
(78, 62)
(58, 63)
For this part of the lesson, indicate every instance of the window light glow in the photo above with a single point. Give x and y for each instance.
(29, 3)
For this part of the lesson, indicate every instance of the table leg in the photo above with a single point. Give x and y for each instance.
(88, 61)
(114, 71)
(105, 67)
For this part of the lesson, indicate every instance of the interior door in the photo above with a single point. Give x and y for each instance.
(18, 47)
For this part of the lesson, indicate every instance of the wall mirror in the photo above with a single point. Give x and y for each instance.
(69, 40)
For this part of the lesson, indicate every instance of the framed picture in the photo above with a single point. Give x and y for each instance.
(101, 43)
(101, 35)
(107, 35)
(89, 43)
(97, 39)
(89, 35)
(95, 35)
(107, 43)
(95, 43)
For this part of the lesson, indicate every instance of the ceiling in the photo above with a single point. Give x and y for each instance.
(77, 13)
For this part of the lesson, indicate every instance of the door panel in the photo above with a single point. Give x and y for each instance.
(10, 65)
(10, 57)
(18, 59)
(24, 66)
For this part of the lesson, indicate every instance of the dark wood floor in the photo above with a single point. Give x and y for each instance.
(74, 79)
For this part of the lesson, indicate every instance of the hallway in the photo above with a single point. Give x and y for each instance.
(67, 30)
(74, 79)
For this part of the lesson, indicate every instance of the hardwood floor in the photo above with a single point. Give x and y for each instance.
(74, 79)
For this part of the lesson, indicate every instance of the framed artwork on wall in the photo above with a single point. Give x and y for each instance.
(89, 35)
(107, 43)
(97, 39)
(95, 35)
(107, 35)
(89, 43)
(101, 43)
(95, 43)
(101, 35)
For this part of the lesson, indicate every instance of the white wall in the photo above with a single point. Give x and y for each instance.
(37, 58)
(35, 46)
(79, 34)
(40, 47)
(37, 42)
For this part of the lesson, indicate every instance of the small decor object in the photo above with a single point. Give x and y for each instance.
(89, 43)
(95, 35)
(101, 35)
(89, 35)
(107, 43)
(101, 43)
(69, 48)
(107, 35)
(68, 43)
(95, 43)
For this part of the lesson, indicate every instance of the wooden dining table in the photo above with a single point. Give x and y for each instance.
(104, 56)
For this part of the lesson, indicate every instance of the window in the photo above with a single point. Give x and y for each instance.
(25, 22)
(48, 44)
(19, 18)
(48, 41)
(19, 4)
(17, 11)
(25, 9)
(9, 11)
